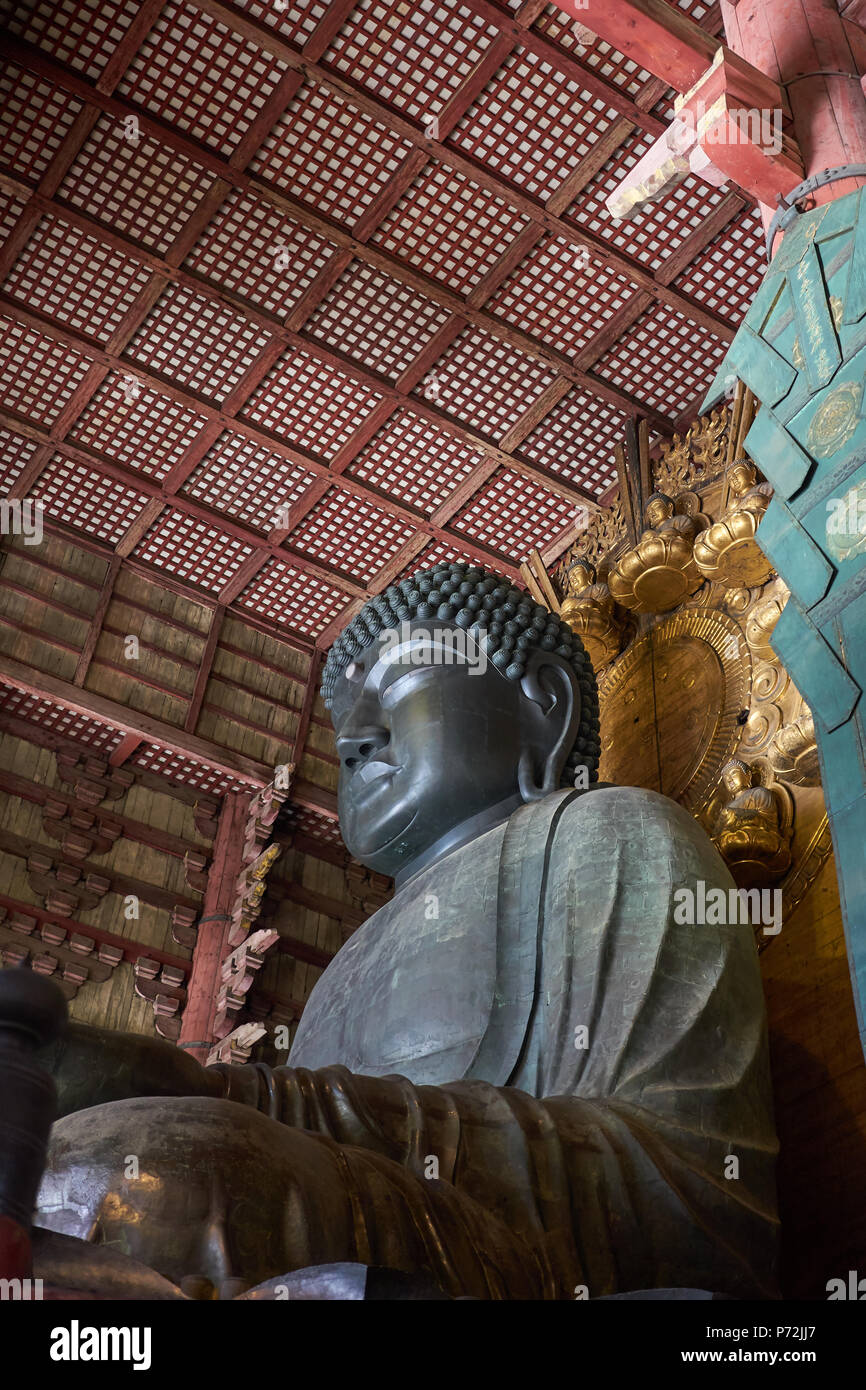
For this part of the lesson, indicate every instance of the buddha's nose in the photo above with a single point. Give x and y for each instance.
(357, 745)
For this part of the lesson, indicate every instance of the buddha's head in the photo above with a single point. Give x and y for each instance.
(580, 575)
(742, 478)
(454, 698)
(659, 508)
(736, 776)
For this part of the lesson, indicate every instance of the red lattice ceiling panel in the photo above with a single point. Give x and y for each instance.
(193, 72)
(37, 375)
(249, 483)
(449, 226)
(511, 515)
(375, 320)
(657, 229)
(561, 294)
(177, 768)
(436, 554)
(726, 276)
(351, 535)
(664, 360)
(11, 208)
(486, 383)
(82, 33)
(576, 440)
(303, 821)
(580, 43)
(266, 258)
(330, 155)
(310, 405)
(35, 119)
(15, 454)
(293, 598)
(192, 550)
(202, 345)
(88, 501)
(68, 275)
(66, 723)
(134, 184)
(295, 22)
(412, 460)
(695, 9)
(137, 426)
(416, 58)
(532, 125)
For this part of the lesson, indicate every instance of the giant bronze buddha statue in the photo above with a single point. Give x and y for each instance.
(520, 1078)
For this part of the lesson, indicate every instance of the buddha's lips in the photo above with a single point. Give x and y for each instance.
(371, 771)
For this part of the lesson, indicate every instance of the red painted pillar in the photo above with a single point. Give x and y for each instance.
(813, 54)
(212, 942)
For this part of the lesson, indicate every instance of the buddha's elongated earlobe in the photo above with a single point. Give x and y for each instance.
(531, 789)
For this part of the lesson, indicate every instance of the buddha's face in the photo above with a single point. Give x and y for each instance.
(658, 509)
(742, 478)
(428, 737)
(736, 778)
(580, 576)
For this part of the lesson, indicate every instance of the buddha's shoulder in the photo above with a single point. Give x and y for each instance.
(610, 818)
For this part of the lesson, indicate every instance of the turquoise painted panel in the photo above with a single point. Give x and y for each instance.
(832, 428)
(815, 328)
(855, 286)
(842, 766)
(837, 520)
(778, 456)
(818, 673)
(756, 362)
(794, 553)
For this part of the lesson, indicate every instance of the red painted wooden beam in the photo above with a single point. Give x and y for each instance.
(656, 35)
(212, 943)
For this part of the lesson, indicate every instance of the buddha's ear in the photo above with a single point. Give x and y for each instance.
(551, 686)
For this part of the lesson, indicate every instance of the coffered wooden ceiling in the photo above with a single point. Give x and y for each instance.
(297, 297)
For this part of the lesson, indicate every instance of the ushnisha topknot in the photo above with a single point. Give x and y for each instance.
(490, 607)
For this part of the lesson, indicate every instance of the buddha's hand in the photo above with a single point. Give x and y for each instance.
(94, 1065)
(202, 1189)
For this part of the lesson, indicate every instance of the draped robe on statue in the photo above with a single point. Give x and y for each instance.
(582, 1068)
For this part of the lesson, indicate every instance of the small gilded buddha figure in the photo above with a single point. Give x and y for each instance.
(727, 551)
(659, 572)
(753, 826)
(521, 1077)
(592, 614)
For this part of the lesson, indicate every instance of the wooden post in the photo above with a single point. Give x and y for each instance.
(212, 942)
(806, 47)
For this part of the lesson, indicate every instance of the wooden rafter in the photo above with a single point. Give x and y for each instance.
(97, 620)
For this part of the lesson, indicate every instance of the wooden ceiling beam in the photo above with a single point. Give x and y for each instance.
(532, 208)
(80, 342)
(730, 207)
(98, 618)
(306, 711)
(124, 885)
(132, 950)
(205, 670)
(41, 685)
(662, 38)
(268, 39)
(277, 103)
(44, 686)
(459, 306)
